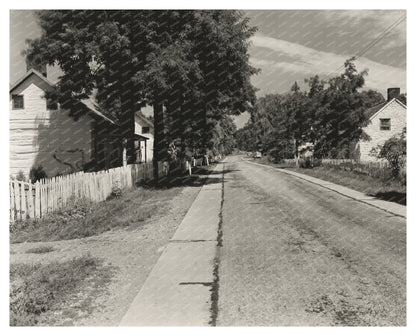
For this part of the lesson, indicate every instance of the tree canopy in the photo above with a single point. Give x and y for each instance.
(192, 66)
(329, 114)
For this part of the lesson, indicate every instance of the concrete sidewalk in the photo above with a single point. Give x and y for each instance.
(179, 289)
(391, 207)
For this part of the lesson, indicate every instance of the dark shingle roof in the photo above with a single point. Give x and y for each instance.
(373, 110)
(27, 75)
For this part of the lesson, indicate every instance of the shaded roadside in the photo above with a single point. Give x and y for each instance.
(387, 190)
(200, 176)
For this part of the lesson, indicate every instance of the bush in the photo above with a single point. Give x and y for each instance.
(274, 156)
(394, 151)
(305, 163)
(21, 176)
(279, 153)
(402, 172)
(37, 173)
(116, 190)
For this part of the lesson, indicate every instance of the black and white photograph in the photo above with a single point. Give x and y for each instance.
(184, 167)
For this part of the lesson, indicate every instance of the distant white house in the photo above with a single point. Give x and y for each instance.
(144, 130)
(386, 120)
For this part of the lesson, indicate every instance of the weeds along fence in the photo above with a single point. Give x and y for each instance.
(35, 200)
(377, 169)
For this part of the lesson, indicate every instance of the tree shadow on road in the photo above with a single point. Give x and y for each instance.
(202, 171)
(200, 176)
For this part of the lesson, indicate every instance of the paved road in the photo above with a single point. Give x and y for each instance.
(294, 253)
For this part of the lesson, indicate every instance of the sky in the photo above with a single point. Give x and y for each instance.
(291, 45)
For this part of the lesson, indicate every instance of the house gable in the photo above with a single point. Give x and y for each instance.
(143, 121)
(45, 137)
(387, 106)
(61, 141)
(388, 121)
(32, 76)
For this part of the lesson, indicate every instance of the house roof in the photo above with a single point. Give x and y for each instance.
(95, 109)
(140, 137)
(373, 111)
(145, 119)
(89, 103)
(27, 75)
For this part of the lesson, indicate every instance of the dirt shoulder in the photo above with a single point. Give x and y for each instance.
(130, 252)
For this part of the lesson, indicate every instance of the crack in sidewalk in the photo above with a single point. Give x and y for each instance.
(215, 284)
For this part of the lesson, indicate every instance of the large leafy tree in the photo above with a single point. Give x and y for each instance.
(371, 98)
(341, 116)
(192, 66)
(223, 141)
(217, 41)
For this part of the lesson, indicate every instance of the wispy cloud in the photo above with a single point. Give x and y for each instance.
(307, 62)
(380, 21)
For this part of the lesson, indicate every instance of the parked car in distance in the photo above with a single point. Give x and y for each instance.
(257, 155)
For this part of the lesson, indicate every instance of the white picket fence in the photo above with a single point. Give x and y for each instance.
(29, 200)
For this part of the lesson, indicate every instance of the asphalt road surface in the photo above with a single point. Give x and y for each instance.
(296, 254)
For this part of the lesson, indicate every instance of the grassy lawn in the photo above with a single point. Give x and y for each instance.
(37, 291)
(388, 189)
(83, 219)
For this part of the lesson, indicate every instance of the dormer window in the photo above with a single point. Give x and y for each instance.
(145, 130)
(18, 103)
(385, 124)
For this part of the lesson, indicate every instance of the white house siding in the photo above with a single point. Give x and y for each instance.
(139, 123)
(394, 111)
(36, 134)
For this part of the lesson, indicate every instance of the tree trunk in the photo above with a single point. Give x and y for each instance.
(295, 142)
(160, 150)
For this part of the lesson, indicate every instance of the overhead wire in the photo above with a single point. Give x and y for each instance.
(371, 44)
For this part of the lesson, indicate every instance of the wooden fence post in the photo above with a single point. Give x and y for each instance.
(12, 202)
(17, 199)
(37, 200)
(23, 200)
(31, 210)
